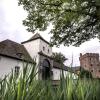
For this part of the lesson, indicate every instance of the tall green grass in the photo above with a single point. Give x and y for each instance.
(26, 87)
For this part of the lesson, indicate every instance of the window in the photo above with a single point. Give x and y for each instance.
(43, 48)
(92, 70)
(48, 50)
(91, 65)
(17, 68)
(51, 72)
(20, 55)
(0, 57)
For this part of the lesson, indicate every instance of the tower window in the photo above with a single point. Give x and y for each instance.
(48, 50)
(92, 70)
(17, 68)
(91, 65)
(43, 48)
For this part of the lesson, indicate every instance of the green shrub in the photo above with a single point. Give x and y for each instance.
(85, 74)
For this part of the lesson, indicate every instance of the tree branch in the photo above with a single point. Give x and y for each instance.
(80, 12)
(52, 4)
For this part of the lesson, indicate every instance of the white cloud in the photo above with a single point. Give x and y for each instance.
(11, 16)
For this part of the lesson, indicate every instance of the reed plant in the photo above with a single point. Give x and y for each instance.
(25, 87)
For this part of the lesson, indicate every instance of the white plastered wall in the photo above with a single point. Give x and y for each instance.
(48, 49)
(33, 47)
(7, 64)
(57, 73)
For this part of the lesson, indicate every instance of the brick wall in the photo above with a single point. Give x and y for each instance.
(90, 62)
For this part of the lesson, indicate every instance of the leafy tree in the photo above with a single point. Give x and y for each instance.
(74, 21)
(59, 57)
(85, 74)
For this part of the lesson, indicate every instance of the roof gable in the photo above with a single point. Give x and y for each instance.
(36, 36)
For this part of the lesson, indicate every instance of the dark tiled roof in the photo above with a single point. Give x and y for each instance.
(15, 50)
(36, 36)
(66, 68)
(60, 66)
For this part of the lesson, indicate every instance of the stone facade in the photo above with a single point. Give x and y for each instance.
(90, 62)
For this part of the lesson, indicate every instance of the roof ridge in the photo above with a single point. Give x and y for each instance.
(34, 37)
(37, 35)
(8, 40)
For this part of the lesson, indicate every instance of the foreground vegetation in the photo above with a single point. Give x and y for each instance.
(26, 87)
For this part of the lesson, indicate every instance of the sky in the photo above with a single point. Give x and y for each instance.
(11, 16)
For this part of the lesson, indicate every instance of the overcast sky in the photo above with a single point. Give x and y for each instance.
(11, 16)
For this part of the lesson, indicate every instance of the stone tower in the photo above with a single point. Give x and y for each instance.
(90, 62)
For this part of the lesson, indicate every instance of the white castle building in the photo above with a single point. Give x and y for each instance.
(13, 54)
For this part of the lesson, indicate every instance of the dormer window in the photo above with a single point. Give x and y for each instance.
(43, 48)
(20, 55)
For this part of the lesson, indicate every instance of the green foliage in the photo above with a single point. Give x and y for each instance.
(26, 87)
(85, 74)
(59, 57)
(74, 21)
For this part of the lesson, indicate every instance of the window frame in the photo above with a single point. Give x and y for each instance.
(43, 48)
(17, 69)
